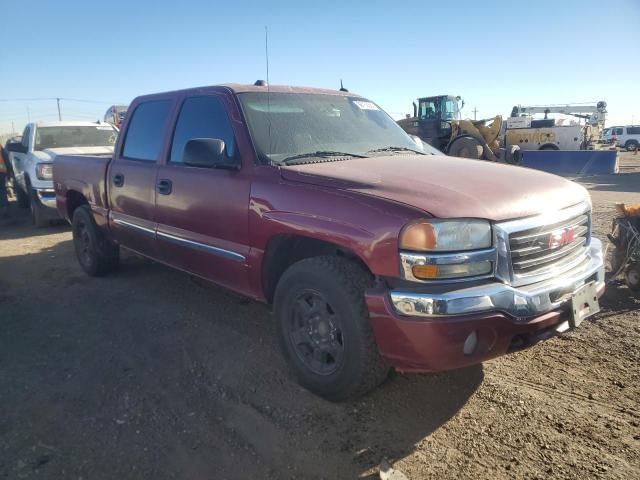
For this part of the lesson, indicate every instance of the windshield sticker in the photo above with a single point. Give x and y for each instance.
(104, 128)
(365, 105)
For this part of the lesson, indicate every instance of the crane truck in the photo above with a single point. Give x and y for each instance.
(530, 133)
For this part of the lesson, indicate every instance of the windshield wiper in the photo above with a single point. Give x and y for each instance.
(395, 149)
(320, 154)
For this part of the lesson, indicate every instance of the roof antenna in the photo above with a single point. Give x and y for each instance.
(266, 54)
(342, 89)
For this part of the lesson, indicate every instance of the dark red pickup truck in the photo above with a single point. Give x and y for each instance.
(373, 253)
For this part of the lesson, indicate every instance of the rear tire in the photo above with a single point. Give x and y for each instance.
(38, 215)
(96, 255)
(631, 146)
(466, 147)
(324, 328)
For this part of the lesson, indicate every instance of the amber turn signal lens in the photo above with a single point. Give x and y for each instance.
(425, 271)
(419, 236)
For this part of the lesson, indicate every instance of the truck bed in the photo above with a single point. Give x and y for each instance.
(85, 174)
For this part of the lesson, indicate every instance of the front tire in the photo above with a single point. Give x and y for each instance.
(324, 328)
(466, 147)
(96, 255)
(21, 197)
(38, 215)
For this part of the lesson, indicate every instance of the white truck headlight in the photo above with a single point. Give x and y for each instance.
(435, 235)
(44, 171)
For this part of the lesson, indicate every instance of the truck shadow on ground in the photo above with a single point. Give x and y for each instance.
(623, 183)
(152, 374)
(18, 225)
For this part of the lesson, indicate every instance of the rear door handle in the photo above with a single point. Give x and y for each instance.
(118, 180)
(164, 186)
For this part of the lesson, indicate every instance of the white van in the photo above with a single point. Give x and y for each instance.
(628, 136)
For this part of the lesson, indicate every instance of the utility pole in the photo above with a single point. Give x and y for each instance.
(475, 112)
(13, 128)
(59, 113)
(28, 115)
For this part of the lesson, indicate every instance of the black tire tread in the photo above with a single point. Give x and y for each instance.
(353, 280)
(22, 199)
(108, 254)
(466, 144)
(37, 215)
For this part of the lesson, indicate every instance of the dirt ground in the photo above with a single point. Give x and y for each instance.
(150, 374)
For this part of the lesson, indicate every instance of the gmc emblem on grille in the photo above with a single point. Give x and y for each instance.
(560, 238)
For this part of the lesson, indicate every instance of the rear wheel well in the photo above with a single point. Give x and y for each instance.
(549, 146)
(284, 250)
(74, 200)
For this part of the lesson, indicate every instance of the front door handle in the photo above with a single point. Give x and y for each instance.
(164, 186)
(118, 180)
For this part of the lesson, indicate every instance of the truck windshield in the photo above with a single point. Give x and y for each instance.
(75, 136)
(285, 125)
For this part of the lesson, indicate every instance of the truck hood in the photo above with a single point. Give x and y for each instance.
(446, 187)
(51, 153)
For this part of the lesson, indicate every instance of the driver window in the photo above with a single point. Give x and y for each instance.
(202, 117)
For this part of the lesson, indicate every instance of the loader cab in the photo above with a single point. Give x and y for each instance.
(443, 107)
(432, 117)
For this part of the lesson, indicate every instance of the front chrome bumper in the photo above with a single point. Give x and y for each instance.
(47, 197)
(523, 301)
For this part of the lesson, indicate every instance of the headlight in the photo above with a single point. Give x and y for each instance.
(434, 235)
(44, 171)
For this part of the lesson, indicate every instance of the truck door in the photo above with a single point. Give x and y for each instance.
(132, 176)
(202, 213)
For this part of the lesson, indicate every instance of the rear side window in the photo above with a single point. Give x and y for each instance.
(202, 117)
(633, 130)
(619, 131)
(145, 131)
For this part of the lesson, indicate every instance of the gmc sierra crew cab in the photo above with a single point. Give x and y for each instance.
(373, 253)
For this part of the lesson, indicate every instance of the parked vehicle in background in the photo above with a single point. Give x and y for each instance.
(373, 253)
(526, 131)
(627, 136)
(437, 121)
(115, 115)
(32, 160)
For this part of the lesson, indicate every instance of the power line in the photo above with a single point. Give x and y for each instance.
(67, 99)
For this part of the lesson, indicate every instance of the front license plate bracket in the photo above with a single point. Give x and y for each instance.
(584, 303)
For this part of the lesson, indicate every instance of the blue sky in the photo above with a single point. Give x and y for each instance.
(493, 54)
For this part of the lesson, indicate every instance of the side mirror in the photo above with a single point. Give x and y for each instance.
(16, 147)
(208, 153)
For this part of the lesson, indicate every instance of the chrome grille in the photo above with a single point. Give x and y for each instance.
(550, 246)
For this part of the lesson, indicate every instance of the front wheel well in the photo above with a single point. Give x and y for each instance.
(284, 250)
(74, 200)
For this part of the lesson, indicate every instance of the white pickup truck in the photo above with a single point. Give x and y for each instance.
(32, 160)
